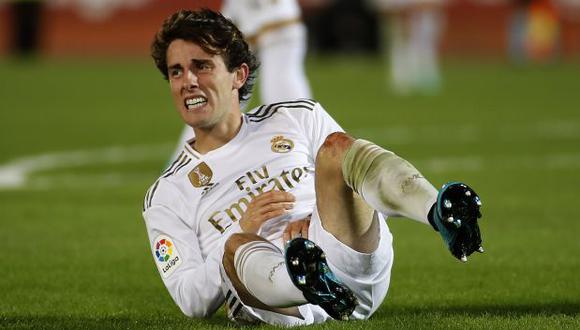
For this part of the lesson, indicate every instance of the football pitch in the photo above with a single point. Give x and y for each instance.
(81, 141)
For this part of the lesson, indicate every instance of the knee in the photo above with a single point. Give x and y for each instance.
(234, 242)
(334, 148)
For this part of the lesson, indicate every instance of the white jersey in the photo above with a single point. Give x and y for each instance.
(198, 201)
(253, 16)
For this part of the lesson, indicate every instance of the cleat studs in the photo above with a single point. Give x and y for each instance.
(467, 193)
(477, 201)
(480, 249)
(295, 262)
(322, 256)
(447, 204)
(457, 223)
(464, 258)
(450, 219)
(308, 245)
(301, 279)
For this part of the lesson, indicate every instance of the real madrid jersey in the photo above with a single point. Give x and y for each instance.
(197, 202)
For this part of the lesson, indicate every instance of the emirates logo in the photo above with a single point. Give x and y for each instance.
(201, 175)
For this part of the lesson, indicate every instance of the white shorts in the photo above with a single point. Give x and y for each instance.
(367, 275)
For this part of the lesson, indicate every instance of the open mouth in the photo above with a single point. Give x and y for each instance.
(195, 102)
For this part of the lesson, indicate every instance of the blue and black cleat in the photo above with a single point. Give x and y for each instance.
(455, 216)
(310, 273)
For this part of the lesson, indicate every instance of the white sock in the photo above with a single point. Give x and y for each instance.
(282, 74)
(424, 37)
(261, 267)
(400, 66)
(388, 183)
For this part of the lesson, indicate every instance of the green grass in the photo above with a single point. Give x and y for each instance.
(74, 246)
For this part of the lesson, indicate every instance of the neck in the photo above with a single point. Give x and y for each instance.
(213, 137)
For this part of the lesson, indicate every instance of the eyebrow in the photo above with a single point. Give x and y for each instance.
(194, 61)
(174, 66)
(204, 61)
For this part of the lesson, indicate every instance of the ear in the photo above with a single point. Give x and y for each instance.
(240, 76)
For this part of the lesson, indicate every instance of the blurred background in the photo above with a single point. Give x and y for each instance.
(483, 91)
(476, 28)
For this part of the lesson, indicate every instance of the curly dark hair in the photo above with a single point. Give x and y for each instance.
(215, 34)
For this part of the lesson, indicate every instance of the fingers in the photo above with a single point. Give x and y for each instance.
(293, 230)
(304, 229)
(270, 204)
(264, 207)
(273, 196)
(297, 228)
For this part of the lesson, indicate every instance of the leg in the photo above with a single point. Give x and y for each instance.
(264, 278)
(281, 53)
(233, 244)
(343, 213)
(397, 42)
(388, 183)
(425, 28)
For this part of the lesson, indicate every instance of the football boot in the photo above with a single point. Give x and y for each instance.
(310, 273)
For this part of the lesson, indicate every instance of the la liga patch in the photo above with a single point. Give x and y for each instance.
(166, 255)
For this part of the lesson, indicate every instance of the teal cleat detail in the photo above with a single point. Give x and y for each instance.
(454, 216)
(310, 273)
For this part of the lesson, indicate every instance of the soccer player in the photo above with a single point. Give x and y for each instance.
(412, 29)
(244, 213)
(274, 29)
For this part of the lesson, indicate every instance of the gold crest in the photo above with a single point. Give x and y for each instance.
(281, 145)
(201, 175)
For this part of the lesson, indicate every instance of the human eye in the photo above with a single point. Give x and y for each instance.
(175, 72)
(203, 66)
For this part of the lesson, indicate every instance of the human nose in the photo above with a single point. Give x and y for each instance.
(190, 81)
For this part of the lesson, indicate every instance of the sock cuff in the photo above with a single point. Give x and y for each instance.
(244, 251)
(357, 161)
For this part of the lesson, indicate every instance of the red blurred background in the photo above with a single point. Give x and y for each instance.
(472, 29)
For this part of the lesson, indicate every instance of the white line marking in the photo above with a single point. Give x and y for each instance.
(538, 162)
(468, 133)
(15, 174)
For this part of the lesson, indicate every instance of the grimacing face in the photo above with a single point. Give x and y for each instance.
(202, 88)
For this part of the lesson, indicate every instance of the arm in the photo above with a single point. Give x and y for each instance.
(192, 282)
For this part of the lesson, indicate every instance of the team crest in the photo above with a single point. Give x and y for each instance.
(281, 145)
(201, 175)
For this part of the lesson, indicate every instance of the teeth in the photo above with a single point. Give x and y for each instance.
(195, 102)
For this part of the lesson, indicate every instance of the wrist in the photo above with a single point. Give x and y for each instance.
(249, 227)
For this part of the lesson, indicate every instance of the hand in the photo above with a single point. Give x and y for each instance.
(264, 207)
(298, 228)
(454, 216)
